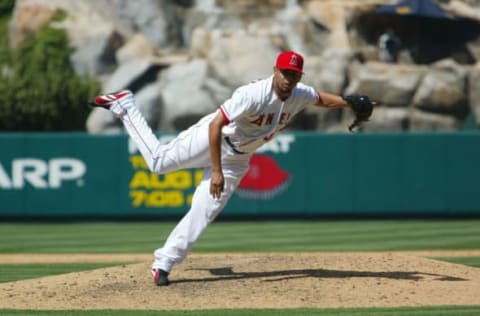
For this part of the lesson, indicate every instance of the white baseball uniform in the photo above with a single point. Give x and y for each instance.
(254, 114)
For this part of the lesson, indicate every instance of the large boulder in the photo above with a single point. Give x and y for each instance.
(393, 85)
(160, 21)
(388, 119)
(420, 121)
(150, 103)
(474, 92)
(185, 95)
(199, 24)
(443, 89)
(28, 17)
(301, 31)
(136, 47)
(134, 74)
(101, 121)
(238, 58)
(328, 72)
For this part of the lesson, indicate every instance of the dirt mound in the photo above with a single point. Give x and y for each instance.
(257, 281)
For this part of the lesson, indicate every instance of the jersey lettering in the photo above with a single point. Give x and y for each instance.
(284, 117)
(268, 119)
(259, 120)
(269, 137)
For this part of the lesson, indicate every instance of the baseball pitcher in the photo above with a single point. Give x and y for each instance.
(222, 143)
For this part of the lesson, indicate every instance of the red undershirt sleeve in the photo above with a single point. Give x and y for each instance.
(225, 117)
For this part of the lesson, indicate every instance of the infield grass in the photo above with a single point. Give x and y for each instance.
(467, 261)
(15, 272)
(413, 311)
(252, 236)
(261, 236)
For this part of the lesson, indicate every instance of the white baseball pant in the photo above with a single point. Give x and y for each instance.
(190, 149)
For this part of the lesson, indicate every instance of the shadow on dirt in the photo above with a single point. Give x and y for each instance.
(227, 274)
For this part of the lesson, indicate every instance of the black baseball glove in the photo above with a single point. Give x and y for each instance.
(362, 106)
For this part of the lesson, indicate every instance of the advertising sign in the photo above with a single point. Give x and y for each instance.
(295, 174)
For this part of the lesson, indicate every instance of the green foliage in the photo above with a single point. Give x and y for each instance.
(6, 7)
(39, 90)
(4, 50)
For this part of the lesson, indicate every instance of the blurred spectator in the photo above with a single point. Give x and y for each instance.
(388, 46)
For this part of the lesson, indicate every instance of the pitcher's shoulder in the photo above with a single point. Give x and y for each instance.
(256, 90)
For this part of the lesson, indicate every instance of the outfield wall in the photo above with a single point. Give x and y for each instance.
(296, 174)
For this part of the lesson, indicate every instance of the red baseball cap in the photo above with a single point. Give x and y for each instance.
(291, 61)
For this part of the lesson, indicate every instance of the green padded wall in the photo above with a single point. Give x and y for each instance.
(297, 174)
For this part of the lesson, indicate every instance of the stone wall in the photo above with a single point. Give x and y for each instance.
(184, 58)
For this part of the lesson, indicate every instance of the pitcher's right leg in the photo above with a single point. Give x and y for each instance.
(203, 211)
(189, 149)
(122, 104)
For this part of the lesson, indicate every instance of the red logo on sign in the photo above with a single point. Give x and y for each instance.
(264, 179)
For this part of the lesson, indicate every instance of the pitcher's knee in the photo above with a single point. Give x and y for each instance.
(212, 213)
(153, 165)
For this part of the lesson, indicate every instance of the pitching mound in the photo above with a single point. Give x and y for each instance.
(257, 281)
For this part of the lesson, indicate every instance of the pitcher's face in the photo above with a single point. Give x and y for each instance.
(284, 81)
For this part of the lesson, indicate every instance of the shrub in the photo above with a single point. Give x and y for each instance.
(39, 90)
(6, 7)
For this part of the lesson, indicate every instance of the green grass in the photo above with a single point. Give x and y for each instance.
(468, 261)
(374, 235)
(14, 272)
(413, 311)
(243, 236)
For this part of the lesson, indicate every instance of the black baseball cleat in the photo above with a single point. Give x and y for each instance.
(160, 277)
(105, 100)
